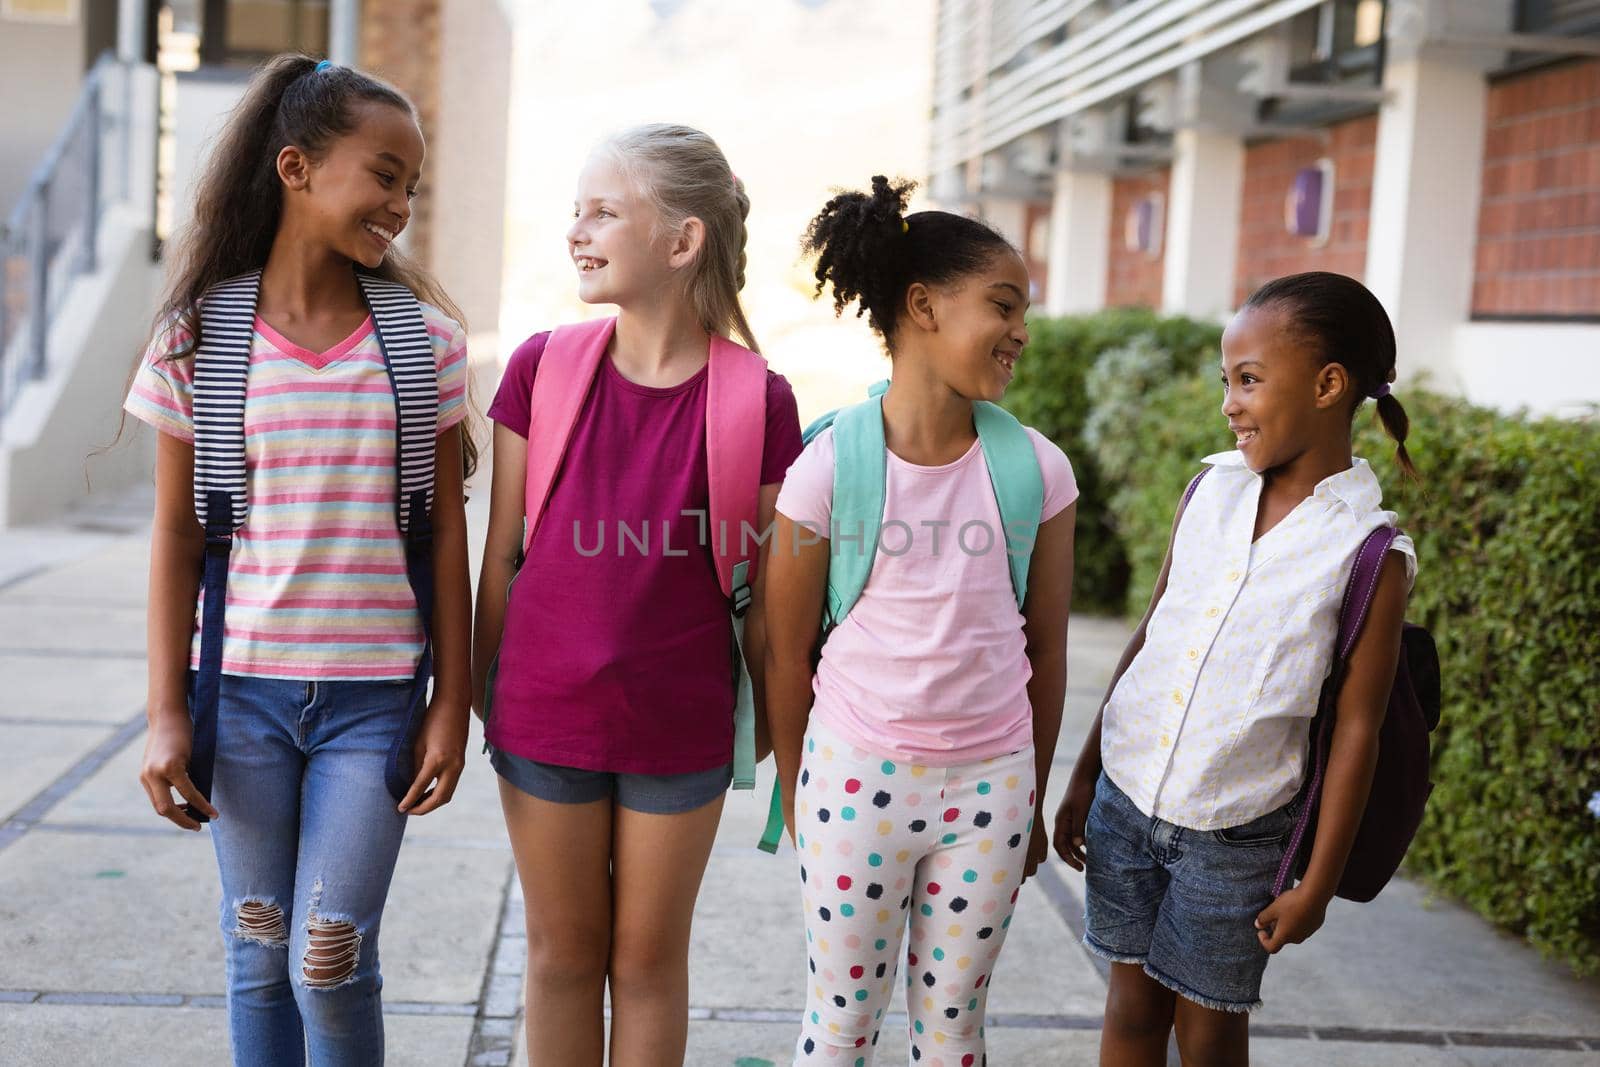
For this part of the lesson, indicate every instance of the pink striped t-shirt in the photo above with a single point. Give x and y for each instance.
(317, 583)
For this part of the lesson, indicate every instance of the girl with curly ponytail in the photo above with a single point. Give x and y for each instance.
(913, 753)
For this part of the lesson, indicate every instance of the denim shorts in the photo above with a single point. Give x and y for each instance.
(650, 794)
(1182, 903)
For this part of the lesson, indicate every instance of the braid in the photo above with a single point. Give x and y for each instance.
(741, 198)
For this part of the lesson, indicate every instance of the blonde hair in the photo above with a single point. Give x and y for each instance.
(683, 175)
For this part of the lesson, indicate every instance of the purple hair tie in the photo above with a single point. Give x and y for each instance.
(1381, 391)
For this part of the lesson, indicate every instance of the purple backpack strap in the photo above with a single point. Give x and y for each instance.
(1188, 494)
(1358, 594)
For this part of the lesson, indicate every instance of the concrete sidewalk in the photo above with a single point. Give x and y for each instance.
(109, 950)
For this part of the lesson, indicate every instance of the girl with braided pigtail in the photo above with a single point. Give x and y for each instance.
(603, 673)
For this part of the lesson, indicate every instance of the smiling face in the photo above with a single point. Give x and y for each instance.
(614, 240)
(1278, 398)
(980, 329)
(357, 195)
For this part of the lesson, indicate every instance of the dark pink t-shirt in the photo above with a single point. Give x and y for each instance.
(616, 654)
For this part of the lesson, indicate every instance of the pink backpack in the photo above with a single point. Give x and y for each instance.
(736, 420)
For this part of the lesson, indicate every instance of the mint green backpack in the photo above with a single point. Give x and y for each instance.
(859, 475)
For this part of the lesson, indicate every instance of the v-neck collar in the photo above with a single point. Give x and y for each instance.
(316, 361)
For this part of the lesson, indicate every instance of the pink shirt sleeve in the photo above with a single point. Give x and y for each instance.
(1060, 485)
(162, 393)
(807, 493)
(450, 356)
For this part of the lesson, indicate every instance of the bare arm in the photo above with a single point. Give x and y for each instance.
(755, 623)
(796, 582)
(177, 545)
(500, 553)
(1362, 703)
(1045, 614)
(442, 742)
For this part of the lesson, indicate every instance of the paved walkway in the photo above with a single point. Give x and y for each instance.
(109, 951)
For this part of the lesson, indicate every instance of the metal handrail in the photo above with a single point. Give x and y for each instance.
(27, 234)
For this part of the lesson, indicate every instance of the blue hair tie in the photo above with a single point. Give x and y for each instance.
(324, 65)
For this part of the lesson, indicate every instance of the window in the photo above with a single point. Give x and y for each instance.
(248, 31)
(1558, 16)
(1338, 42)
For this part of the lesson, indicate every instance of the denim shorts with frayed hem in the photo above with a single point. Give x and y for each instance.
(1182, 903)
(649, 794)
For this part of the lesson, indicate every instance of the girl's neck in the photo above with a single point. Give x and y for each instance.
(1299, 478)
(659, 343)
(304, 282)
(925, 421)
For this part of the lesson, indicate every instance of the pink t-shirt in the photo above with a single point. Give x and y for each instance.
(930, 664)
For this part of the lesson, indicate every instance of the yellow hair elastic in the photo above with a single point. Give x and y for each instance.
(905, 227)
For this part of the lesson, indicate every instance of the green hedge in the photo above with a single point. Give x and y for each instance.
(1050, 394)
(1507, 525)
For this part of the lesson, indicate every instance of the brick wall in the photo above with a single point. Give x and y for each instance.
(1134, 278)
(400, 44)
(1539, 221)
(1266, 249)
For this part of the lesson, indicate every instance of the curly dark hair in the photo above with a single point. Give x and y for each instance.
(1343, 323)
(871, 252)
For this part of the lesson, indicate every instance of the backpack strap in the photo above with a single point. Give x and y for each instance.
(1358, 594)
(1188, 494)
(414, 373)
(1018, 486)
(736, 431)
(402, 335)
(221, 376)
(566, 373)
(860, 472)
(860, 476)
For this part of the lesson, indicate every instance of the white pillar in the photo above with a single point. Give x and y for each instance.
(1007, 215)
(1202, 231)
(344, 32)
(1425, 192)
(1080, 242)
(131, 15)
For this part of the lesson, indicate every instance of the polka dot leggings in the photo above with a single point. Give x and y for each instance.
(883, 840)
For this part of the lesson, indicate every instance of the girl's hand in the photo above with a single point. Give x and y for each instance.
(1072, 816)
(167, 747)
(1291, 918)
(441, 755)
(1038, 847)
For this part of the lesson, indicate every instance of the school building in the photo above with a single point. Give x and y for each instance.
(110, 106)
(1177, 153)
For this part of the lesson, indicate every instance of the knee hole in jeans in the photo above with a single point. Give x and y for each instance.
(332, 951)
(261, 921)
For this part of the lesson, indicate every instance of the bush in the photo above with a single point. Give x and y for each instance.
(1507, 525)
(1051, 394)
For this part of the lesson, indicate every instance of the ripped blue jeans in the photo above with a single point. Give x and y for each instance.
(306, 841)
